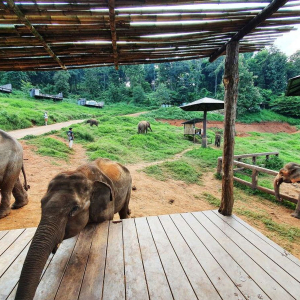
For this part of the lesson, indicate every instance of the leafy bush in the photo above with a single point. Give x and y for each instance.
(274, 163)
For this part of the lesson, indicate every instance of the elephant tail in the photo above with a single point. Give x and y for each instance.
(26, 186)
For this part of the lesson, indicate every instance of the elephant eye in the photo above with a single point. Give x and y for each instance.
(74, 209)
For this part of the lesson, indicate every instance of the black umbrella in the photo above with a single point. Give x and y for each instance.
(205, 105)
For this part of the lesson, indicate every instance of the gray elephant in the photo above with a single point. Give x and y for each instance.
(143, 127)
(93, 122)
(290, 173)
(92, 193)
(11, 164)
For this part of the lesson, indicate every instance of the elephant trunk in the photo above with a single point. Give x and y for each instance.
(277, 182)
(48, 235)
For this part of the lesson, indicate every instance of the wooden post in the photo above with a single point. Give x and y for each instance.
(254, 179)
(230, 80)
(204, 139)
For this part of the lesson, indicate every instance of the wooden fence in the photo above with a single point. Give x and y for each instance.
(255, 170)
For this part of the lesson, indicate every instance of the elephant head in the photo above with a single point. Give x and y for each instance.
(71, 201)
(290, 173)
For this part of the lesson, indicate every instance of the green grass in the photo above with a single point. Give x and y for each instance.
(16, 113)
(212, 199)
(177, 170)
(287, 232)
(47, 146)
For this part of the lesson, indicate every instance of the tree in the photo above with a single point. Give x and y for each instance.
(249, 97)
(293, 65)
(61, 82)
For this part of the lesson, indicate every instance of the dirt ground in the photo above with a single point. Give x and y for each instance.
(152, 197)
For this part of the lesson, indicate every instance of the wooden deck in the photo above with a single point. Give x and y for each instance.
(200, 255)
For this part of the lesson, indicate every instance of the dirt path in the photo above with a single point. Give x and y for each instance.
(38, 130)
(151, 197)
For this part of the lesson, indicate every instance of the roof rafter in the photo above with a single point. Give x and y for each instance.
(261, 17)
(25, 21)
(112, 21)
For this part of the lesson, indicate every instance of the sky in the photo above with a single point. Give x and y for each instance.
(289, 42)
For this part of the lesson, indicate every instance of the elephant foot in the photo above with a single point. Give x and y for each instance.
(296, 215)
(4, 213)
(19, 205)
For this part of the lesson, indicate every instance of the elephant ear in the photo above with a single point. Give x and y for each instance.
(101, 193)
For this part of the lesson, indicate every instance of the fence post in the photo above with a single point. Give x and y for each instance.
(254, 160)
(254, 179)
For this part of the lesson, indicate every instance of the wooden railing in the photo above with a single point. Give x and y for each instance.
(255, 170)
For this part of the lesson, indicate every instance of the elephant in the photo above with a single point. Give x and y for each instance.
(92, 193)
(11, 165)
(290, 173)
(218, 140)
(143, 127)
(93, 122)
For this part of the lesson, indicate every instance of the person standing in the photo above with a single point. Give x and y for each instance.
(70, 137)
(46, 117)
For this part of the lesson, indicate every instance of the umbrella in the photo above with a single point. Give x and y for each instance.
(205, 105)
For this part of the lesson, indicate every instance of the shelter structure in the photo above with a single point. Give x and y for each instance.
(48, 35)
(189, 127)
(293, 88)
(7, 88)
(205, 105)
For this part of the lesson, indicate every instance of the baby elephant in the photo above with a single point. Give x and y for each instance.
(143, 127)
(290, 173)
(218, 140)
(92, 122)
(92, 193)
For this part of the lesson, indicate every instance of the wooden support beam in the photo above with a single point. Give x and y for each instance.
(230, 80)
(11, 4)
(112, 21)
(261, 17)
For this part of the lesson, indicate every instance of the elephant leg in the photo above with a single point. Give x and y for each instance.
(296, 213)
(125, 212)
(5, 202)
(20, 195)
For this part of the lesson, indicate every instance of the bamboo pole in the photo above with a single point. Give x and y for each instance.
(261, 17)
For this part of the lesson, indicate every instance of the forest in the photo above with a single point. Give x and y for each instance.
(262, 83)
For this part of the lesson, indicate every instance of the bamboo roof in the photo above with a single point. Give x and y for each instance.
(62, 34)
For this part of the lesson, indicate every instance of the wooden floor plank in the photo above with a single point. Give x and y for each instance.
(114, 284)
(12, 295)
(258, 274)
(179, 283)
(158, 285)
(283, 278)
(282, 251)
(11, 277)
(9, 239)
(3, 233)
(7, 258)
(193, 263)
(201, 255)
(52, 277)
(92, 285)
(273, 254)
(71, 283)
(233, 270)
(136, 286)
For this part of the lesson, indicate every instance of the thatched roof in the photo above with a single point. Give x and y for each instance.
(63, 34)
